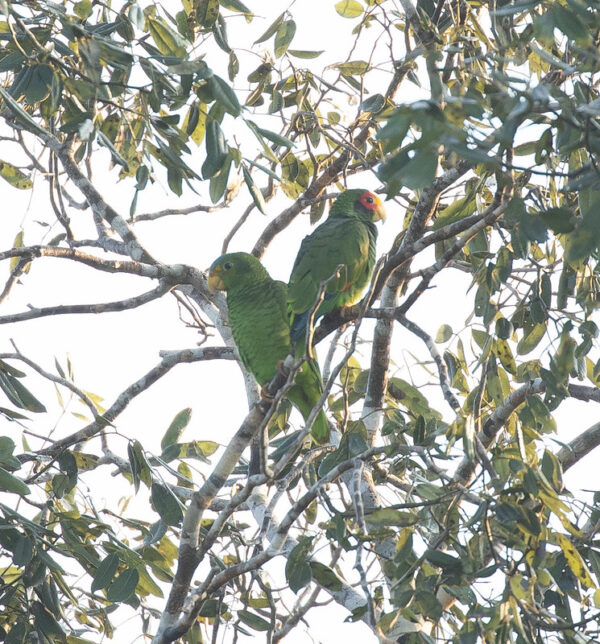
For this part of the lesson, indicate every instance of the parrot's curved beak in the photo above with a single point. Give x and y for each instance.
(215, 283)
(379, 211)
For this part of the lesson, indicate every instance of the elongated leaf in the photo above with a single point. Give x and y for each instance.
(325, 576)
(285, 35)
(254, 621)
(297, 568)
(276, 138)
(575, 561)
(10, 483)
(301, 53)
(442, 559)
(178, 424)
(15, 177)
(166, 504)
(105, 572)
(167, 40)
(225, 95)
(123, 586)
(530, 341)
(22, 115)
(207, 12)
(216, 149)
(271, 30)
(352, 68)
(505, 355)
(254, 191)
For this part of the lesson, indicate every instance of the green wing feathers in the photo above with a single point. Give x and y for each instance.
(259, 320)
(347, 238)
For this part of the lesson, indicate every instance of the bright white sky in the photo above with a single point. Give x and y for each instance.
(110, 351)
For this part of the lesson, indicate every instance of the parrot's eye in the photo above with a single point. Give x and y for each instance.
(369, 199)
(227, 265)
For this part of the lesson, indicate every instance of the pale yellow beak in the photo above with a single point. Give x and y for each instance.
(379, 211)
(215, 283)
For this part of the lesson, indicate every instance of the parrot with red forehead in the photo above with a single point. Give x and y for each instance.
(348, 237)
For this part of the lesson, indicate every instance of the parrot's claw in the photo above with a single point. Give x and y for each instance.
(266, 395)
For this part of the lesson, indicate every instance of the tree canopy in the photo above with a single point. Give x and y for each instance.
(439, 511)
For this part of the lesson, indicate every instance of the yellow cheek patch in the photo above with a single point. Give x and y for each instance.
(215, 283)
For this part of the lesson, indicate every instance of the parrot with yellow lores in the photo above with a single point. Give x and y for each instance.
(348, 237)
(259, 320)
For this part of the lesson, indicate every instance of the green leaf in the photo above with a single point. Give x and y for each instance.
(389, 516)
(10, 483)
(271, 30)
(218, 183)
(285, 35)
(224, 95)
(7, 447)
(298, 53)
(444, 333)
(349, 9)
(178, 424)
(15, 177)
(580, 243)
(168, 41)
(570, 24)
(123, 586)
(373, 104)
(83, 9)
(254, 190)
(18, 394)
(420, 171)
(253, 620)
(22, 115)
(324, 576)
(166, 504)
(236, 5)
(442, 559)
(105, 572)
(297, 569)
(352, 68)
(117, 157)
(46, 624)
(216, 149)
(350, 445)
(278, 139)
(207, 12)
(532, 338)
(140, 467)
(504, 328)
(23, 551)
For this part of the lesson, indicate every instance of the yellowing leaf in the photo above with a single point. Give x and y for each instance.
(530, 341)
(505, 355)
(349, 8)
(576, 563)
(353, 68)
(519, 590)
(168, 41)
(15, 177)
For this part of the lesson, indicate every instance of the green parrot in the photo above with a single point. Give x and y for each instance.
(348, 236)
(260, 325)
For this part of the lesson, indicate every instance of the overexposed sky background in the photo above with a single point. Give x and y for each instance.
(110, 351)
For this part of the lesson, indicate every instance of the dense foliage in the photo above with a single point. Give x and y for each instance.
(439, 511)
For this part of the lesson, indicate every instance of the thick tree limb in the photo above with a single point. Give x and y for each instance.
(579, 447)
